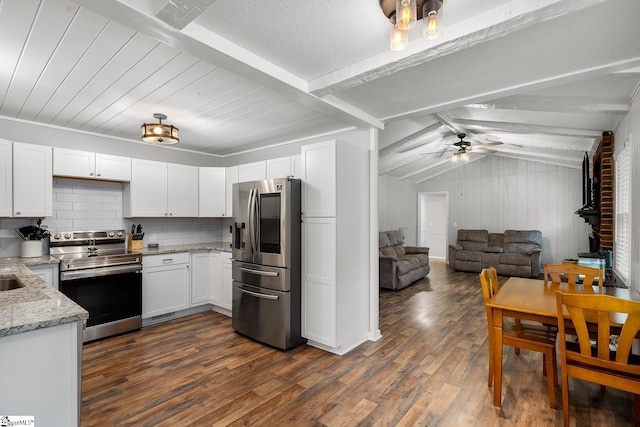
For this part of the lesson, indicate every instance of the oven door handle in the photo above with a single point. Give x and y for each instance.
(102, 271)
(258, 295)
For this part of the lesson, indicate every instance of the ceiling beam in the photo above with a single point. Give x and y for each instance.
(557, 104)
(529, 128)
(410, 139)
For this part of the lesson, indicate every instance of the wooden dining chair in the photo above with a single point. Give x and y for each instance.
(521, 335)
(597, 364)
(572, 272)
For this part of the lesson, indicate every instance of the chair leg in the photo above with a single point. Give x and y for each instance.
(551, 379)
(544, 364)
(491, 370)
(565, 398)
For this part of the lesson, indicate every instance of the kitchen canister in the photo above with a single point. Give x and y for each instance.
(31, 249)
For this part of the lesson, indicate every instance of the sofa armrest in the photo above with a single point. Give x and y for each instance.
(416, 250)
(456, 247)
(534, 251)
(387, 272)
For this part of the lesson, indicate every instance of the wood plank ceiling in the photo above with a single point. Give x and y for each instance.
(545, 78)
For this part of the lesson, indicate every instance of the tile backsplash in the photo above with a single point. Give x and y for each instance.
(97, 205)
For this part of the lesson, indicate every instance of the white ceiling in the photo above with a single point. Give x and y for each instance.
(545, 77)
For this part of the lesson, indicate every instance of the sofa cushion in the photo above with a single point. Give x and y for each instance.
(387, 251)
(464, 255)
(521, 242)
(496, 239)
(515, 259)
(417, 260)
(493, 250)
(404, 266)
(383, 239)
(395, 237)
(473, 240)
(399, 249)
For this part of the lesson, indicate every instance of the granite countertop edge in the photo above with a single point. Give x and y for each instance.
(191, 247)
(37, 305)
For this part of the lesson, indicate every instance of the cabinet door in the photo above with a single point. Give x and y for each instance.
(182, 186)
(74, 163)
(279, 168)
(114, 168)
(212, 198)
(319, 171)
(215, 290)
(147, 193)
(230, 178)
(32, 180)
(319, 311)
(6, 179)
(252, 171)
(296, 166)
(165, 289)
(227, 281)
(201, 270)
(47, 272)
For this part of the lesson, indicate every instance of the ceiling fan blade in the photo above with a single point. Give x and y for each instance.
(490, 143)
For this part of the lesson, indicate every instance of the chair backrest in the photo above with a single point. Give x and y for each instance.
(489, 281)
(572, 271)
(604, 310)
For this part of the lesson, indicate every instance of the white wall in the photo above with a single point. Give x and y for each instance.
(629, 130)
(398, 206)
(498, 193)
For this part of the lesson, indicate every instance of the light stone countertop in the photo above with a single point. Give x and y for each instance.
(37, 305)
(194, 247)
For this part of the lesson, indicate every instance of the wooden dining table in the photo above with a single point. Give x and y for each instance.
(532, 299)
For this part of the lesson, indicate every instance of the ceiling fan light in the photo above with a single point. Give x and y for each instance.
(399, 40)
(160, 133)
(406, 14)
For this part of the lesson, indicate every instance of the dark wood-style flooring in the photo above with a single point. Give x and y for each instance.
(430, 368)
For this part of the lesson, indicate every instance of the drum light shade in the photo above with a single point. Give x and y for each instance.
(160, 133)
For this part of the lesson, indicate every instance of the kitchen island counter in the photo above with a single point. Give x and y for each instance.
(36, 305)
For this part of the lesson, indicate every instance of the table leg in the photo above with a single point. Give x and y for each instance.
(497, 357)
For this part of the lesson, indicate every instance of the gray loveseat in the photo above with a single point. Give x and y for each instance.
(512, 253)
(400, 265)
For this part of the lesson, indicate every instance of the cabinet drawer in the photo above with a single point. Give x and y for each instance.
(149, 261)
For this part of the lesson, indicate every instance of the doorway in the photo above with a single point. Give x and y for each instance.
(433, 222)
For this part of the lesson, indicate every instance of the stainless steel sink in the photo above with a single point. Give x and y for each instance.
(11, 282)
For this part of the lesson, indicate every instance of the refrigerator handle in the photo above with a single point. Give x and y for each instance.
(256, 294)
(256, 225)
(250, 230)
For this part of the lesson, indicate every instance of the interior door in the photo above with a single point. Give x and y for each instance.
(433, 214)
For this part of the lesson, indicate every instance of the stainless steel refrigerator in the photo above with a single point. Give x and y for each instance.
(266, 261)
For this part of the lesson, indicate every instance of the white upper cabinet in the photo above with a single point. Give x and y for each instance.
(319, 177)
(161, 189)
(230, 177)
(212, 200)
(32, 180)
(279, 168)
(296, 166)
(182, 187)
(252, 171)
(85, 164)
(6, 179)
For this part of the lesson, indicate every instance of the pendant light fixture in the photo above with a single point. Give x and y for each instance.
(160, 133)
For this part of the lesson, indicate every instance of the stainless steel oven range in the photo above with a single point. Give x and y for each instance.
(98, 273)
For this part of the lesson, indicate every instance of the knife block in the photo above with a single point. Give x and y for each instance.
(134, 244)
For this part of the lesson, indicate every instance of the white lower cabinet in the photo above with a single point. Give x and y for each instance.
(47, 272)
(201, 277)
(165, 284)
(226, 281)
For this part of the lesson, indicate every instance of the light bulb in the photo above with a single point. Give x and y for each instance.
(464, 157)
(157, 130)
(431, 29)
(406, 14)
(399, 39)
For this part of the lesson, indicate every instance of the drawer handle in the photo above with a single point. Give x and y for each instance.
(258, 295)
(167, 260)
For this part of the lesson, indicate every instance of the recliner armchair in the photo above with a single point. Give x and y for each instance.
(400, 265)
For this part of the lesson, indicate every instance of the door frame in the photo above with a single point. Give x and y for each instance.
(423, 195)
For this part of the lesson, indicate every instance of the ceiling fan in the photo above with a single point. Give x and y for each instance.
(462, 147)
